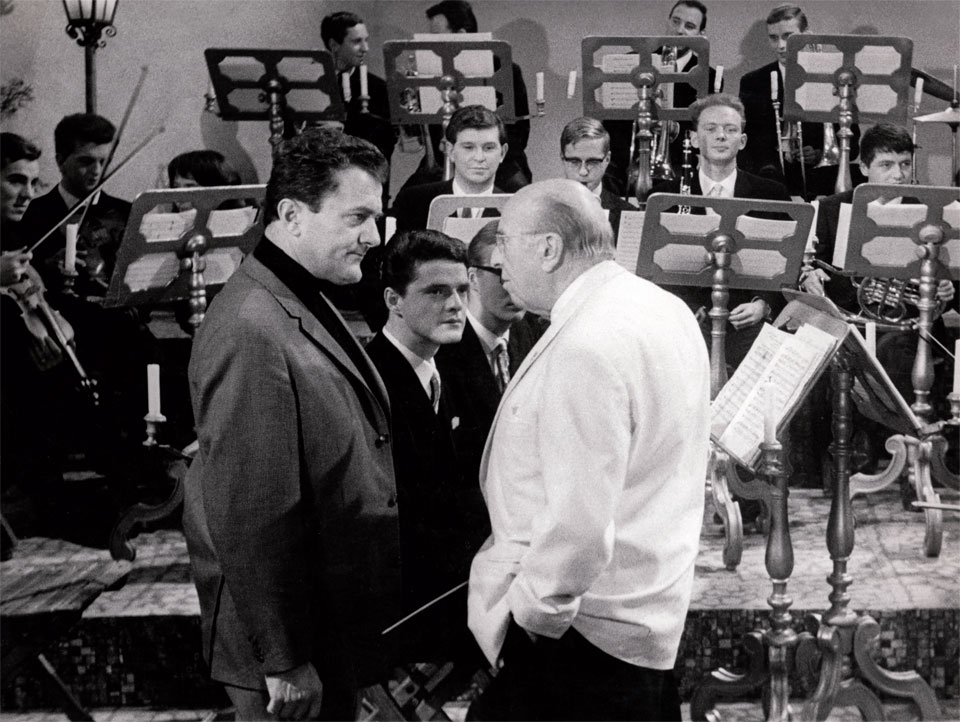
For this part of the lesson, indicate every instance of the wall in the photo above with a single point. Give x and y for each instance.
(169, 36)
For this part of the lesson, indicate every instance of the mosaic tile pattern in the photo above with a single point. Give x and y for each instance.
(138, 646)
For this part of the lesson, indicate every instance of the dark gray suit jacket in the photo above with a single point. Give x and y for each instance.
(290, 511)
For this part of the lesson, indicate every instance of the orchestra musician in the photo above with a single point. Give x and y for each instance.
(83, 143)
(719, 122)
(345, 35)
(802, 143)
(585, 153)
(456, 16)
(687, 18)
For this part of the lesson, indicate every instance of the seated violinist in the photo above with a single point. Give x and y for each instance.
(83, 144)
(32, 378)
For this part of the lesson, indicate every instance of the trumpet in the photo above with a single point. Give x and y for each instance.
(831, 149)
(663, 135)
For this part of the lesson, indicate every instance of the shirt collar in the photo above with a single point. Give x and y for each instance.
(598, 190)
(459, 191)
(683, 60)
(487, 338)
(71, 200)
(728, 183)
(423, 368)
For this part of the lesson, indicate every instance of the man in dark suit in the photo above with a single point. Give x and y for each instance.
(456, 16)
(585, 152)
(290, 506)
(757, 91)
(477, 141)
(475, 371)
(345, 35)
(424, 288)
(687, 18)
(83, 142)
(719, 121)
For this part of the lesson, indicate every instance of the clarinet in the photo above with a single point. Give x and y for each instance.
(686, 174)
(774, 99)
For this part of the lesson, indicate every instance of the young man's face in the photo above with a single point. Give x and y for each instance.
(82, 170)
(585, 161)
(354, 48)
(889, 167)
(332, 241)
(477, 154)
(684, 20)
(440, 24)
(719, 135)
(18, 186)
(432, 308)
(777, 34)
(487, 288)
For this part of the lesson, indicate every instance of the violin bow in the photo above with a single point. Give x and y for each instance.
(106, 179)
(116, 140)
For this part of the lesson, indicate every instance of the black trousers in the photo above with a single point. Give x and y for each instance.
(570, 679)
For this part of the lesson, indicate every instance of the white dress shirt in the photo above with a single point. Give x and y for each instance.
(425, 369)
(728, 184)
(458, 190)
(594, 475)
(488, 340)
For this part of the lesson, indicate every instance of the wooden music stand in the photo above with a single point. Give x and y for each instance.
(624, 85)
(910, 241)
(443, 210)
(280, 86)
(417, 98)
(863, 78)
(725, 250)
(839, 640)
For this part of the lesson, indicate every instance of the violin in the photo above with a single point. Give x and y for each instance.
(52, 335)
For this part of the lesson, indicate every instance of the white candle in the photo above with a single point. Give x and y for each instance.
(211, 91)
(872, 338)
(956, 368)
(364, 88)
(774, 85)
(918, 93)
(70, 250)
(954, 82)
(718, 80)
(571, 83)
(345, 84)
(539, 87)
(769, 412)
(153, 389)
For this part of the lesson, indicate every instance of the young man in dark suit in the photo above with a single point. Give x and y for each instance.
(719, 134)
(425, 287)
(687, 18)
(290, 509)
(477, 141)
(345, 35)
(496, 338)
(585, 153)
(83, 142)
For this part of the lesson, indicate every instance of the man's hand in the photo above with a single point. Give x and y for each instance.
(748, 314)
(296, 694)
(945, 291)
(811, 156)
(813, 280)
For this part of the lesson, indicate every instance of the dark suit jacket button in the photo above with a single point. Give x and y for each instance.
(392, 501)
(382, 439)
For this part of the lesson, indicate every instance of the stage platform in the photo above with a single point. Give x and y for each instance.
(135, 653)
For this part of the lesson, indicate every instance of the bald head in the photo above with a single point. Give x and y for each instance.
(570, 210)
(550, 233)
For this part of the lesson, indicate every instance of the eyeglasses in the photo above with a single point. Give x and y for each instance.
(591, 164)
(498, 272)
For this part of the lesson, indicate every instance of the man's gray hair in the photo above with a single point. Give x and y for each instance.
(571, 211)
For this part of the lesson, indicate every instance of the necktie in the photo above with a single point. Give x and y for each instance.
(501, 363)
(435, 391)
(716, 191)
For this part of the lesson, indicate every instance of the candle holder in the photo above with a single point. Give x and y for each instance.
(953, 398)
(153, 422)
(69, 276)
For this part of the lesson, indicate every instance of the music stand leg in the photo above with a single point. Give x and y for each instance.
(843, 640)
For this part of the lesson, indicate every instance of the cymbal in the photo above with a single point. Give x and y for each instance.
(950, 115)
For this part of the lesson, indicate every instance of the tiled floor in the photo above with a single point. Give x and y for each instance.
(889, 570)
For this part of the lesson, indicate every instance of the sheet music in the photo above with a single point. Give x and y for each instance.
(896, 215)
(825, 62)
(231, 222)
(464, 229)
(159, 227)
(793, 362)
(629, 239)
(689, 224)
(153, 270)
(619, 63)
(431, 102)
(765, 229)
(843, 235)
(618, 96)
